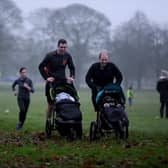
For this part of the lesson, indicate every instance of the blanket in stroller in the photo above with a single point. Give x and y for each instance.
(63, 89)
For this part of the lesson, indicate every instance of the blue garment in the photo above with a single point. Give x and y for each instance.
(109, 88)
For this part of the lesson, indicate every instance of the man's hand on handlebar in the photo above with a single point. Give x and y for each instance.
(70, 79)
(50, 79)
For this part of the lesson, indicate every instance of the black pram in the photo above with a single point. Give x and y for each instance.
(66, 114)
(111, 115)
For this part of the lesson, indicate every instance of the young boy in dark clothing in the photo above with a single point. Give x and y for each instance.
(25, 86)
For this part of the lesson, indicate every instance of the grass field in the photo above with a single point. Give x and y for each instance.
(147, 145)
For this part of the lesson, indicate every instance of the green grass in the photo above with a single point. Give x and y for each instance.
(147, 145)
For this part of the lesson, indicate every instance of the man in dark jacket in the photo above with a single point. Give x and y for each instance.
(25, 86)
(100, 74)
(162, 88)
(52, 69)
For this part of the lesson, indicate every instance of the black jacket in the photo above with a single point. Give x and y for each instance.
(23, 92)
(162, 88)
(56, 65)
(97, 77)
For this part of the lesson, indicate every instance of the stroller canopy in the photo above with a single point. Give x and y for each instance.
(111, 88)
(63, 87)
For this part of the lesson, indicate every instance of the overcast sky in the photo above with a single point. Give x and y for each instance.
(117, 11)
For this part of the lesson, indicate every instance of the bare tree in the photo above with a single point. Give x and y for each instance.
(85, 29)
(10, 18)
(159, 51)
(132, 43)
(10, 14)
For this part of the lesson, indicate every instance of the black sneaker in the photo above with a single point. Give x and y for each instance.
(19, 126)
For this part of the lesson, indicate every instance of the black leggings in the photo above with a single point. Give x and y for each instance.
(164, 107)
(23, 104)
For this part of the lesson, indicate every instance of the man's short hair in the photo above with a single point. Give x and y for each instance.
(104, 51)
(21, 69)
(62, 41)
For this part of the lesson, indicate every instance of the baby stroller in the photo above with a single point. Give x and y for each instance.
(66, 114)
(111, 116)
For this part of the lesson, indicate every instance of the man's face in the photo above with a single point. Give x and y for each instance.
(23, 74)
(103, 59)
(62, 48)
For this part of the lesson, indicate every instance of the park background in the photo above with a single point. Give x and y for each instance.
(137, 45)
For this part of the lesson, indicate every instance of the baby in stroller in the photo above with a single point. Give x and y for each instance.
(66, 114)
(111, 115)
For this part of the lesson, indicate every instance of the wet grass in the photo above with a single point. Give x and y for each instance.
(147, 145)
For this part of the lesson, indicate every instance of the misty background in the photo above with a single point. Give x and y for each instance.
(138, 45)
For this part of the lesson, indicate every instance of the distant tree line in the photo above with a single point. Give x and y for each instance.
(138, 46)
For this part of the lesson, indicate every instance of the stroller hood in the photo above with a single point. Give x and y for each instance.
(63, 87)
(111, 88)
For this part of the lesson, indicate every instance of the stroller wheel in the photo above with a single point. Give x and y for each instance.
(48, 128)
(93, 129)
(70, 134)
(75, 132)
(79, 131)
(125, 132)
(119, 130)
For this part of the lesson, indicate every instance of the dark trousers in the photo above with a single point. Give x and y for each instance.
(23, 104)
(94, 94)
(162, 109)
